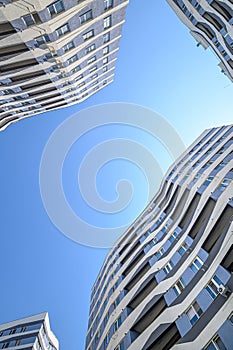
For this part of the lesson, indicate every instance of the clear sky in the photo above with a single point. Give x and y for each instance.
(158, 67)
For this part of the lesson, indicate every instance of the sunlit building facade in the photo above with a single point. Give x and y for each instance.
(167, 282)
(30, 333)
(55, 53)
(210, 23)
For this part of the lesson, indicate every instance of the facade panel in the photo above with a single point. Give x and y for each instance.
(167, 282)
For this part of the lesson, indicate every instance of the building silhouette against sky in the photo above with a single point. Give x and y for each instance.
(210, 23)
(167, 283)
(30, 333)
(55, 53)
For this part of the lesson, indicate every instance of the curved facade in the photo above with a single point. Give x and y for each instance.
(55, 53)
(210, 23)
(167, 283)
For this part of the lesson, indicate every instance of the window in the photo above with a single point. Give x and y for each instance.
(117, 324)
(120, 346)
(105, 69)
(92, 59)
(29, 20)
(225, 182)
(79, 77)
(42, 39)
(208, 181)
(106, 340)
(83, 90)
(178, 287)
(221, 165)
(62, 30)
(76, 69)
(92, 69)
(107, 316)
(90, 48)
(56, 7)
(68, 46)
(173, 236)
(107, 22)
(194, 313)
(72, 59)
(160, 253)
(108, 4)
(183, 248)
(94, 76)
(215, 344)
(196, 264)
(212, 286)
(106, 37)
(106, 50)
(88, 34)
(86, 16)
(81, 84)
(105, 60)
(168, 267)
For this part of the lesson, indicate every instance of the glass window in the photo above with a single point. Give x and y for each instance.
(213, 285)
(81, 84)
(92, 69)
(194, 312)
(224, 184)
(108, 4)
(105, 60)
(120, 346)
(160, 253)
(183, 248)
(105, 69)
(92, 59)
(94, 76)
(33, 327)
(83, 90)
(90, 48)
(42, 39)
(62, 30)
(106, 50)
(68, 46)
(86, 16)
(107, 22)
(56, 7)
(79, 77)
(215, 344)
(117, 324)
(168, 267)
(29, 20)
(196, 264)
(208, 181)
(88, 34)
(72, 59)
(106, 37)
(106, 340)
(179, 286)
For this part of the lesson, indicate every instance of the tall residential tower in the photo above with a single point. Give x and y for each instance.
(30, 333)
(210, 23)
(167, 283)
(55, 53)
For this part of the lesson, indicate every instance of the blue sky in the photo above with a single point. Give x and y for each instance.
(158, 67)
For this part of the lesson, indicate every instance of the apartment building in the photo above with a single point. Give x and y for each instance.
(30, 333)
(55, 54)
(210, 23)
(167, 282)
